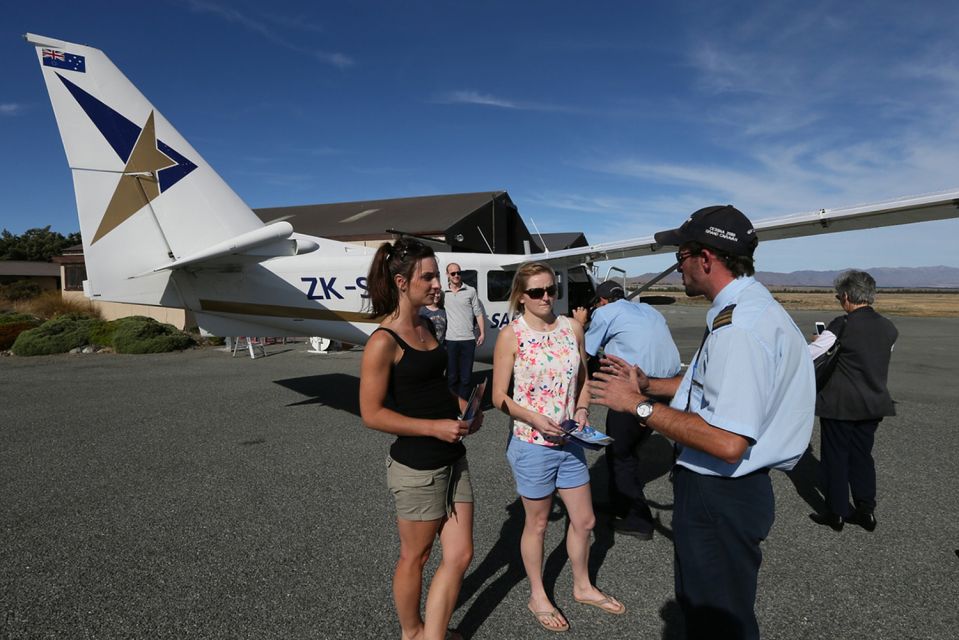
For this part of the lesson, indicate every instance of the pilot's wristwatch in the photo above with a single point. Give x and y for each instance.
(644, 409)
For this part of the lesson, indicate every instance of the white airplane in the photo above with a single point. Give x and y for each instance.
(160, 227)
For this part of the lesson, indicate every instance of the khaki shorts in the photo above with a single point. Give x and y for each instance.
(428, 494)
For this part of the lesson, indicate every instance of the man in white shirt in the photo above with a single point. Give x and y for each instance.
(464, 315)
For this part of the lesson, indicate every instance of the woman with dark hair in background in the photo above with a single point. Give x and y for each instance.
(427, 472)
(436, 313)
(543, 354)
(853, 401)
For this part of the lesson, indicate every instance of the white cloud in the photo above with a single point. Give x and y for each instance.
(473, 97)
(468, 96)
(11, 109)
(584, 203)
(230, 14)
(799, 123)
(338, 60)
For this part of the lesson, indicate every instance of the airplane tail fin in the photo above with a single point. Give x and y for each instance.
(146, 200)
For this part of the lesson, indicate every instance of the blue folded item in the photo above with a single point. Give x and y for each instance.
(587, 436)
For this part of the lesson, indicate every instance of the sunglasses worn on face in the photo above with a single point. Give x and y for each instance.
(682, 255)
(539, 292)
(453, 274)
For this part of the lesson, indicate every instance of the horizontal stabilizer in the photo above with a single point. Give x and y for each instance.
(270, 234)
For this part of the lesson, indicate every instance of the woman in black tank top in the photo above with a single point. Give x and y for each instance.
(426, 470)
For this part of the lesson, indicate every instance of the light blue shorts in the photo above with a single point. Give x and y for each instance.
(539, 470)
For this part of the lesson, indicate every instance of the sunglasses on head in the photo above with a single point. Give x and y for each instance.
(538, 292)
(454, 273)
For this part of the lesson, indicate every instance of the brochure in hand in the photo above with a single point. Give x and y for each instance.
(587, 436)
(474, 402)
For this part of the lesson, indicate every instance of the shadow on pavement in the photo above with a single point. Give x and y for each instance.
(342, 391)
(673, 626)
(503, 554)
(805, 476)
(336, 390)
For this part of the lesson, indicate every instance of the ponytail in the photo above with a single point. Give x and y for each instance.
(389, 261)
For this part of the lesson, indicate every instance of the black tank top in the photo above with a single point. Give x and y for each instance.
(418, 389)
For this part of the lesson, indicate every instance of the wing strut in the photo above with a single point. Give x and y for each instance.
(652, 282)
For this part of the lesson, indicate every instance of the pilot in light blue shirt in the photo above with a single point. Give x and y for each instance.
(753, 377)
(745, 405)
(637, 333)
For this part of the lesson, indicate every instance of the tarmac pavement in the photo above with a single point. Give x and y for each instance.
(198, 495)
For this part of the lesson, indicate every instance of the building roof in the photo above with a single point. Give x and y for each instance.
(27, 268)
(478, 222)
(370, 219)
(560, 241)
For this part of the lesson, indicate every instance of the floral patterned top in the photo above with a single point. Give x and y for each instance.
(545, 376)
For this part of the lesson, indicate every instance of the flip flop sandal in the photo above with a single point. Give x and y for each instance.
(553, 613)
(602, 602)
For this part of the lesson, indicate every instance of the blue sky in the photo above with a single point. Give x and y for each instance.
(616, 119)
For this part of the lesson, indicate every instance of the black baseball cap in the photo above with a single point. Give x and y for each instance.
(607, 290)
(723, 227)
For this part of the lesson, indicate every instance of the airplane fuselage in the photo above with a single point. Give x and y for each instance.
(326, 295)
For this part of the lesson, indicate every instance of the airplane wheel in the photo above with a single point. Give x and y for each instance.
(320, 345)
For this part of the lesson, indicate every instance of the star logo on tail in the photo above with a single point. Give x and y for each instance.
(136, 190)
(151, 167)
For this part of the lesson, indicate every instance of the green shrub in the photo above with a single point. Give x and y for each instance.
(133, 334)
(20, 290)
(15, 318)
(139, 334)
(58, 335)
(10, 331)
(102, 334)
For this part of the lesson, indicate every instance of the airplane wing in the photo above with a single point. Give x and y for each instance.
(937, 206)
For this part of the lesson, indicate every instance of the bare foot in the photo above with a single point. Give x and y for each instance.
(415, 635)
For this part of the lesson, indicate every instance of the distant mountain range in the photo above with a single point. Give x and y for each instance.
(897, 277)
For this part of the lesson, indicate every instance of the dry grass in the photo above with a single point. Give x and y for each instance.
(920, 305)
(51, 304)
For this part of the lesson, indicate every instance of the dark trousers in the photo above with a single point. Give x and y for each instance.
(459, 368)
(847, 463)
(718, 524)
(625, 484)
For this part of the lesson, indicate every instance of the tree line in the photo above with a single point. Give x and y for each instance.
(38, 244)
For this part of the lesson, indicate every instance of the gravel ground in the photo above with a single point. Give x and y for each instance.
(196, 495)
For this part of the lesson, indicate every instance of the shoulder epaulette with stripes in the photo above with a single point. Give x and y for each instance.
(724, 318)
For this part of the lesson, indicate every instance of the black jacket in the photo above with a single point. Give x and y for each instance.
(857, 389)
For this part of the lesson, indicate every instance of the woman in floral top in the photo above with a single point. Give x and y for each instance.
(543, 354)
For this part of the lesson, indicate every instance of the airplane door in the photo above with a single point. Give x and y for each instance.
(579, 288)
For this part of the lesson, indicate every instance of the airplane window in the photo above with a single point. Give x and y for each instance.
(469, 277)
(498, 285)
